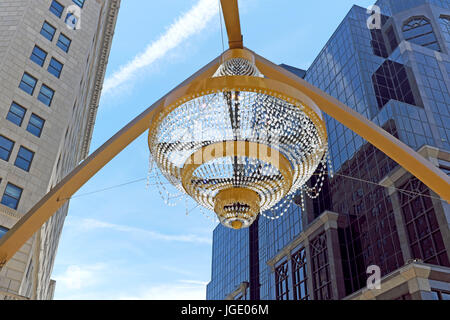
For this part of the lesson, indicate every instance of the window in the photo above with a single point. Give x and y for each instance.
(444, 21)
(390, 33)
(28, 83)
(55, 67)
(6, 147)
(38, 55)
(419, 31)
(24, 159)
(3, 230)
(281, 281)
(320, 268)
(424, 234)
(48, 31)
(57, 8)
(64, 42)
(377, 42)
(79, 3)
(437, 294)
(391, 81)
(35, 125)
(12, 195)
(16, 114)
(46, 95)
(299, 275)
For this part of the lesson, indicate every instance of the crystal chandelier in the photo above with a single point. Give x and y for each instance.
(239, 151)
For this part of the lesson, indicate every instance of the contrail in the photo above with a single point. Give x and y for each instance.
(189, 24)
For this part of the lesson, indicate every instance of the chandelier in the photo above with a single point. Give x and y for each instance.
(241, 151)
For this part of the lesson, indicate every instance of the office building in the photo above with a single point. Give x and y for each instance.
(371, 212)
(53, 57)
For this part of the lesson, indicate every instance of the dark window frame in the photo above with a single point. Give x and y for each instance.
(45, 33)
(8, 151)
(11, 197)
(392, 82)
(299, 274)
(439, 293)
(61, 44)
(43, 97)
(54, 70)
(56, 8)
(321, 268)
(282, 281)
(36, 58)
(33, 126)
(12, 116)
(420, 23)
(79, 3)
(25, 86)
(25, 160)
(422, 227)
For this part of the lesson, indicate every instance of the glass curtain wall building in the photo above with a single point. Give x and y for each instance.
(371, 212)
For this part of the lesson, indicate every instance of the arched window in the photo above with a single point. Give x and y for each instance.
(444, 21)
(419, 30)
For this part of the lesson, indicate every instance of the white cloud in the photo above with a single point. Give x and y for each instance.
(78, 277)
(91, 224)
(189, 24)
(192, 290)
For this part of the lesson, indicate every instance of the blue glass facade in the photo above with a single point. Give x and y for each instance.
(402, 86)
(230, 262)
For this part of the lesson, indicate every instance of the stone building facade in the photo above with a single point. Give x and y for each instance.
(53, 57)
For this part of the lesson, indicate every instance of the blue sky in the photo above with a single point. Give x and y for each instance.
(126, 243)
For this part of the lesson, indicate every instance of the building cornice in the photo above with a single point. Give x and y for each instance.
(107, 37)
(9, 212)
(327, 220)
(11, 296)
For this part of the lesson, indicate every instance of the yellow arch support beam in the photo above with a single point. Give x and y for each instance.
(230, 11)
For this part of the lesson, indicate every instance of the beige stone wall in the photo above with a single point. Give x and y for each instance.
(68, 121)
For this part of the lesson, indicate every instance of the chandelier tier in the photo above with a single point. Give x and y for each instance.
(237, 144)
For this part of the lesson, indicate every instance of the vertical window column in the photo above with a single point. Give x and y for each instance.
(320, 268)
(282, 281)
(299, 275)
